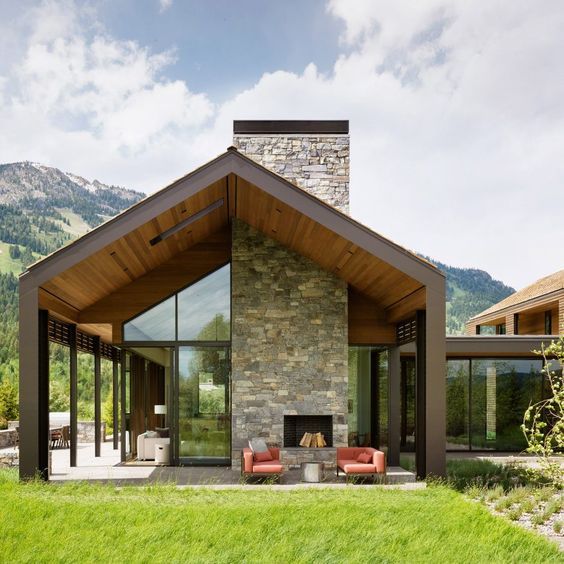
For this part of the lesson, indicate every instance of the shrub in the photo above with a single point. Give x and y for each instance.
(514, 514)
(9, 407)
(538, 519)
(528, 505)
(543, 422)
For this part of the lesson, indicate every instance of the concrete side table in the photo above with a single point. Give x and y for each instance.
(162, 454)
(313, 472)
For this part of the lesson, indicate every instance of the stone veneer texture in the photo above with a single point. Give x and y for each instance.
(318, 164)
(289, 342)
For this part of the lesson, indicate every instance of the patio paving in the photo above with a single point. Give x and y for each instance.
(108, 468)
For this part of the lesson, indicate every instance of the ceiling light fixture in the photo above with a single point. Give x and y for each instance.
(189, 220)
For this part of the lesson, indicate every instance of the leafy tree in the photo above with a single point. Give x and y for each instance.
(15, 252)
(9, 408)
(543, 423)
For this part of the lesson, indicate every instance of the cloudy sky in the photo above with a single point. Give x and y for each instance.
(456, 107)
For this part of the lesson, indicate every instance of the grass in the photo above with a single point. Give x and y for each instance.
(8, 264)
(85, 523)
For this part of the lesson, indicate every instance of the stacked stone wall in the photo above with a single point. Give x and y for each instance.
(319, 164)
(289, 344)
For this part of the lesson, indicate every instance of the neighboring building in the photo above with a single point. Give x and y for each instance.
(537, 309)
(239, 302)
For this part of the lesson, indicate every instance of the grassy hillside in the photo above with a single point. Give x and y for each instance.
(469, 291)
(42, 209)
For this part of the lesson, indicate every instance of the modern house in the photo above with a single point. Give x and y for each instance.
(493, 374)
(240, 301)
(537, 309)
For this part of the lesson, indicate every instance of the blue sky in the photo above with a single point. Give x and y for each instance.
(456, 108)
(223, 46)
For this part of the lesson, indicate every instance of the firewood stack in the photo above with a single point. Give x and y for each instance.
(313, 440)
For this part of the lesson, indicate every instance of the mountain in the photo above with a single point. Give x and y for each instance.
(42, 209)
(469, 291)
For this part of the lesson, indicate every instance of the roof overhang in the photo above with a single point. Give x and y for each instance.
(372, 264)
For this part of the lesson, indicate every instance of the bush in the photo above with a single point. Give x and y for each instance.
(9, 407)
(543, 422)
(462, 474)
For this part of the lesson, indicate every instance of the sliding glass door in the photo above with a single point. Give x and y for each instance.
(203, 403)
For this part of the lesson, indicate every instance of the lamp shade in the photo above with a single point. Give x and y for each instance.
(160, 409)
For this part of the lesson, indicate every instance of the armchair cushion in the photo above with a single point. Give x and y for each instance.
(262, 456)
(364, 458)
(258, 445)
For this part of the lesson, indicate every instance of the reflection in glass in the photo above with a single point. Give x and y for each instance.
(407, 402)
(457, 388)
(204, 308)
(156, 324)
(204, 422)
(501, 392)
(368, 397)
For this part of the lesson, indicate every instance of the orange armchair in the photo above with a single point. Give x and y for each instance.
(250, 467)
(348, 463)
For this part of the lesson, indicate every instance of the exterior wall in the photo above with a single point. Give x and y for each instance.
(531, 316)
(318, 164)
(289, 344)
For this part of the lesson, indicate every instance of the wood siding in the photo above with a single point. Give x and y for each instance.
(367, 322)
(531, 316)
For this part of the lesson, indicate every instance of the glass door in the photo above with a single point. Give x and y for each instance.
(204, 405)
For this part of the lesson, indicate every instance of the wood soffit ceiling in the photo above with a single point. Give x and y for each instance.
(131, 257)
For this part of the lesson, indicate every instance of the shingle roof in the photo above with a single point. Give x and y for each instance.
(543, 286)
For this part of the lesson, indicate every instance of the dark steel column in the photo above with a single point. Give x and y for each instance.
(97, 398)
(43, 406)
(115, 398)
(435, 381)
(420, 395)
(34, 385)
(73, 369)
(394, 401)
(29, 383)
(123, 360)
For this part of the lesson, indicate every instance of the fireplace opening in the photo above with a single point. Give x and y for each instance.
(296, 427)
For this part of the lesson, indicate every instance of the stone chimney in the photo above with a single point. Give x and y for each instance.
(312, 154)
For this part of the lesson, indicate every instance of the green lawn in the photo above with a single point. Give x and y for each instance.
(84, 523)
(8, 264)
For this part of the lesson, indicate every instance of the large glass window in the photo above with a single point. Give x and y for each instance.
(501, 392)
(204, 309)
(204, 420)
(408, 405)
(156, 324)
(368, 397)
(200, 312)
(457, 404)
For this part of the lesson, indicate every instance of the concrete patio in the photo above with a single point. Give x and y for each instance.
(108, 468)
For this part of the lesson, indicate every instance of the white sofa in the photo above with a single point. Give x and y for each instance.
(146, 446)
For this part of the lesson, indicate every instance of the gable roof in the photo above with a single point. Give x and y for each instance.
(541, 287)
(116, 269)
(231, 161)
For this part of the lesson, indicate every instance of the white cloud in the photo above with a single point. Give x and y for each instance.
(87, 102)
(164, 5)
(456, 119)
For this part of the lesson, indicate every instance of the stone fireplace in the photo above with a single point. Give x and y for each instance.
(295, 426)
(289, 342)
